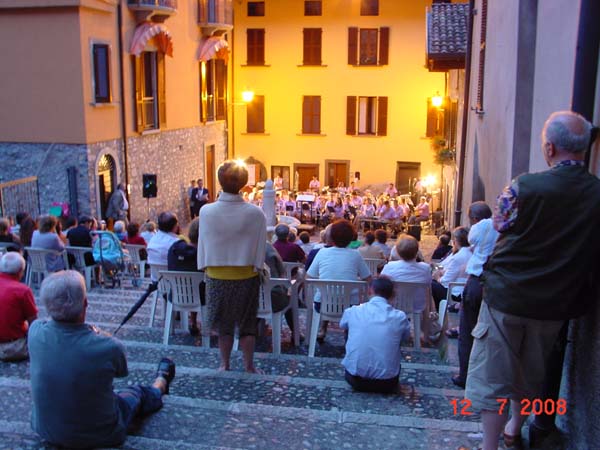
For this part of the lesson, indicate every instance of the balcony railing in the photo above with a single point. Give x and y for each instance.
(163, 7)
(215, 15)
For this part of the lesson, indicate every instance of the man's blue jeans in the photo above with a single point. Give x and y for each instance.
(138, 401)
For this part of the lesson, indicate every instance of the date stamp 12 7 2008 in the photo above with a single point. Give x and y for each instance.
(534, 407)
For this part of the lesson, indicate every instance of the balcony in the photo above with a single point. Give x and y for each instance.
(215, 17)
(155, 10)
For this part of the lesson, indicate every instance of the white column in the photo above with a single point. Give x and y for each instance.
(269, 203)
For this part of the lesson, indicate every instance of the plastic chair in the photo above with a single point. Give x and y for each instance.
(184, 296)
(374, 264)
(37, 263)
(415, 299)
(290, 266)
(336, 296)
(162, 290)
(87, 271)
(134, 254)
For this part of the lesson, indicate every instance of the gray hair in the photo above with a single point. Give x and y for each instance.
(119, 226)
(63, 293)
(12, 263)
(282, 231)
(568, 131)
(479, 211)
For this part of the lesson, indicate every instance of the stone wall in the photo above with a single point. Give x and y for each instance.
(176, 157)
(49, 162)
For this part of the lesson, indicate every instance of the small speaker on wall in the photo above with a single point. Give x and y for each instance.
(149, 187)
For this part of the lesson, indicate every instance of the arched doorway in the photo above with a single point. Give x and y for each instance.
(106, 181)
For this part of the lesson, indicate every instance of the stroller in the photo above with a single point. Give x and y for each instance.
(109, 254)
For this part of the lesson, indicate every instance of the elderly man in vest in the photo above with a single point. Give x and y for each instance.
(231, 249)
(536, 278)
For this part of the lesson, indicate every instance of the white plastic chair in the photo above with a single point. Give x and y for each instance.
(290, 266)
(87, 271)
(336, 296)
(134, 254)
(452, 285)
(36, 263)
(155, 270)
(415, 299)
(373, 264)
(184, 291)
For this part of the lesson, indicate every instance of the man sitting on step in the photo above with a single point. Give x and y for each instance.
(72, 370)
(375, 331)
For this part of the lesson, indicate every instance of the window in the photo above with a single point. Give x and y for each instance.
(312, 47)
(255, 115)
(256, 9)
(481, 70)
(255, 46)
(312, 8)
(101, 68)
(368, 46)
(149, 73)
(369, 7)
(311, 114)
(366, 116)
(213, 88)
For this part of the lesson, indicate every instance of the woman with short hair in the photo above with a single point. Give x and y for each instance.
(46, 237)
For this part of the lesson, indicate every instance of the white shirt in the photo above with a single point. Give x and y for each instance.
(456, 269)
(375, 332)
(335, 263)
(384, 248)
(409, 271)
(158, 247)
(482, 238)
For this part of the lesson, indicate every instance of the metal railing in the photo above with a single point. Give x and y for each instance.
(19, 196)
(215, 12)
(158, 4)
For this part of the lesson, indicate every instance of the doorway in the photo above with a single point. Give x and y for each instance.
(106, 181)
(406, 175)
(336, 171)
(283, 172)
(209, 172)
(303, 174)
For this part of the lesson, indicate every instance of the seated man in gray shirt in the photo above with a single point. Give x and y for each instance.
(72, 370)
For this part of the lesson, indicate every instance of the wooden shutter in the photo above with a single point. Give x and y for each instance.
(432, 119)
(353, 46)
(203, 92)
(311, 114)
(482, 39)
(384, 44)
(137, 79)
(312, 46)
(221, 88)
(351, 115)
(256, 115)
(161, 89)
(255, 46)
(382, 107)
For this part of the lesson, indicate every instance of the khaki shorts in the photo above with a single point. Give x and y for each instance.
(14, 351)
(508, 359)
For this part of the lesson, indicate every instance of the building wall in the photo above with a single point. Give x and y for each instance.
(41, 89)
(489, 146)
(405, 82)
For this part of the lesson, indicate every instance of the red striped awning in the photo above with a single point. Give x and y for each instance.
(213, 47)
(149, 30)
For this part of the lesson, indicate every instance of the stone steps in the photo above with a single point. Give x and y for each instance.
(300, 402)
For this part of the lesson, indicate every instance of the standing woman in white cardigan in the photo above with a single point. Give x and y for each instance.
(231, 250)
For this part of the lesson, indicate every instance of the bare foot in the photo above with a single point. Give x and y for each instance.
(255, 370)
(224, 368)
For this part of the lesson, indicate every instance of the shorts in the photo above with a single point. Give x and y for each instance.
(508, 359)
(233, 303)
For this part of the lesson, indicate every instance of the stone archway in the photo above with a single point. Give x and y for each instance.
(107, 176)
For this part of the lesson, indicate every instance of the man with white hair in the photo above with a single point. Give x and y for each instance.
(72, 370)
(530, 289)
(17, 308)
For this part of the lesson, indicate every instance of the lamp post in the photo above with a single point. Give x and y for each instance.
(247, 97)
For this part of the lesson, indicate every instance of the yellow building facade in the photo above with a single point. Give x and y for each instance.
(371, 108)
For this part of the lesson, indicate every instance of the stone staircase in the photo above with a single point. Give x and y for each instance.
(299, 403)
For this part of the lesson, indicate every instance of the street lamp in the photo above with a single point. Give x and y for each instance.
(247, 97)
(437, 100)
